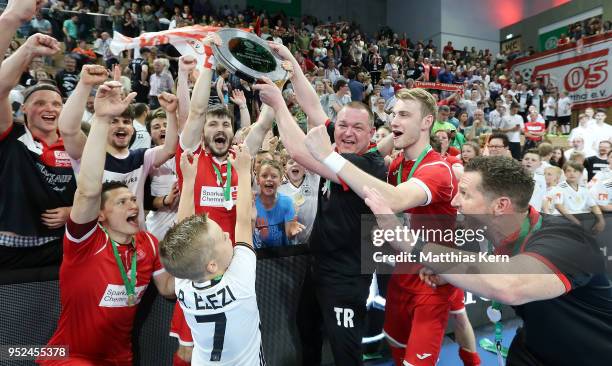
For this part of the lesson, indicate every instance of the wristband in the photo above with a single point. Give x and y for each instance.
(209, 62)
(335, 162)
(164, 201)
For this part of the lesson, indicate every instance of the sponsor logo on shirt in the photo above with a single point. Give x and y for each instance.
(115, 296)
(213, 196)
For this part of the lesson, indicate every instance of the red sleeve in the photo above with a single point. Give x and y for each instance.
(437, 179)
(179, 173)
(154, 245)
(77, 233)
(5, 134)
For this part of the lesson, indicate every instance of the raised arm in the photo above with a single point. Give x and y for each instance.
(239, 99)
(14, 15)
(169, 103)
(404, 196)
(304, 92)
(259, 130)
(13, 67)
(242, 163)
(189, 169)
(192, 133)
(69, 122)
(289, 130)
(108, 104)
(186, 65)
(385, 146)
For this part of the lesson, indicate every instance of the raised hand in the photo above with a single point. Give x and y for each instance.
(238, 97)
(282, 51)
(108, 102)
(117, 73)
(23, 10)
(41, 45)
(318, 143)
(169, 102)
(173, 196)
(189, 167)
(269, 93)
(295, 228)
(187, 63)
(92, 75)
(242, 161)
(287, 66)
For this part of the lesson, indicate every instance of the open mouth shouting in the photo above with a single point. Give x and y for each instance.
(48, 117)
(133, 219)
(268, 189)
(396, 133)
(121, 135)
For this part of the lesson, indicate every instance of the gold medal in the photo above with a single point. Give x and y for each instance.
(299, 199)
(131, 300)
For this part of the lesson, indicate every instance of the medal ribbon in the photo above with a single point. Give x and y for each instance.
(228, 181)
(526, 230)
(130, 284)
(418, 161)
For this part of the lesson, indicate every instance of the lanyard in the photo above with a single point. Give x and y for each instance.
(228, 181)
(494, 311)
(129, 283)
(418, 161)
(327, 185)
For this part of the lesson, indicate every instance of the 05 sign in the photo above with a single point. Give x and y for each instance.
(588, 77)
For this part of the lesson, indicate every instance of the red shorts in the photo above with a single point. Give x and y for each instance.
(415, 328)
(179, 328)
(457, 302)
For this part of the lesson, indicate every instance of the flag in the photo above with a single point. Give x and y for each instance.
(187, 40)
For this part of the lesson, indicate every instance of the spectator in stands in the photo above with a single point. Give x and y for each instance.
(41, 25)
(71, 31)
(564, 112)
(577, 143)
(595, 163)
(601, 130)
(160, 81)
(479, 126)
(116, 12)
(142, 138)
(356, 88)
(532, 163)
(334, 102)
(534, 129)
(498, 145)
(139, 75)
(583, 129)
(150, 22)
(469, 151)
(68, 78)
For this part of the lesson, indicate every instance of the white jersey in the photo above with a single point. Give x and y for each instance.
(602, 192)
(512, 121)
(549, 198)
(305, 198)
(575, 201)
(142, 139)
(162, 179)
(539, 191)
(223, 314)
(601, 176)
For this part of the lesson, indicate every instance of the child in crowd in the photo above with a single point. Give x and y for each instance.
(579, 158)
(215, 282)
(552, 176)
(531, 162)
(469, 151)
(301, 186)
(570, 198)
(275, 222)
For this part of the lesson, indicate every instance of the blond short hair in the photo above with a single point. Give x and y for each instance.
(555, 170)
(187, 248)
(427, 101)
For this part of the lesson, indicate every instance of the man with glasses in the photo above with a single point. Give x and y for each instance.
(498, 144)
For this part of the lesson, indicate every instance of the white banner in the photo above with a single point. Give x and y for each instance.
(581, 70)
(186, 40)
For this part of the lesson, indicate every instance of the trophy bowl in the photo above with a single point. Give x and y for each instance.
(247, 56)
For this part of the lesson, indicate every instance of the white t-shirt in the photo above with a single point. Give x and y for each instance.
(162, 179)
(602, 175)
(305, 199)
(575, 201)
(511, 121)
(223, 315)
(143, 139)
(539, 191)
(496, 120)
(588, 152)
(549, 197)
(601, 133)
(602, 192)
(564, 107)
(549, 108)
(587, 133)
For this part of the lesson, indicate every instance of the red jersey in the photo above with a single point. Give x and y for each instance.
(435, 175)
(96, 322)
(534, 127)
(208, 191)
